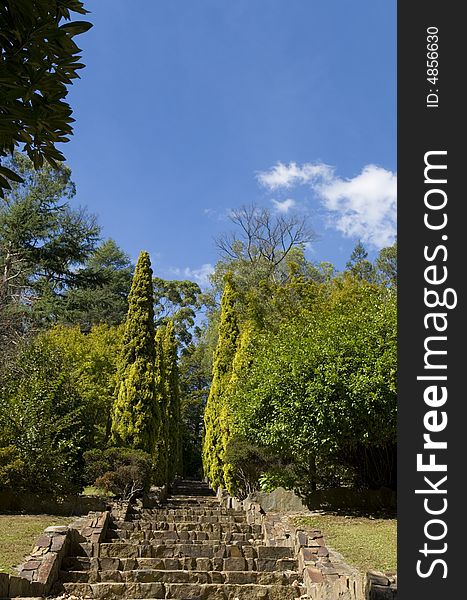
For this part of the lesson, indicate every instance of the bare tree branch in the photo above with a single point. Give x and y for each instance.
(264, 235)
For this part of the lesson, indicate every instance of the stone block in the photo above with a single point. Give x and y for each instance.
(382, 592)
(18, 586)
(4, 584)
(377, 577)
(235, 551)
(56, 530)
(58, 543)
(110, 564)
(30, 565)
(265, 564)
(239, 577)
(234, 564)
(273, 552)
(312, 575)
(47, 572)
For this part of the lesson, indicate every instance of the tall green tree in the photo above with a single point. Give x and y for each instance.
(386, 266)
(161, 463)
(92, 359)
(38, 60)
(322, 389)
(359, 265)
(178, 301)
(135, 418)
(172, 387)
(43, 244)
(195, 379)
(215, 428)
(101, 294)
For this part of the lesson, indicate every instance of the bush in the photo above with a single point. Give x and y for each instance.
(247, 463)
(125, 472)
(11, 467)
(43, 418)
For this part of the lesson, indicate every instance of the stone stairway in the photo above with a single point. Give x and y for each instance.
(191, 548)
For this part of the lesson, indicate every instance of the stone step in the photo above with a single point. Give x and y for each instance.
(182, 591)
(157, 526)
(227, 562)
(208, 549)
(183, 536)
(226, 519)
(180, 576)
(150, 513)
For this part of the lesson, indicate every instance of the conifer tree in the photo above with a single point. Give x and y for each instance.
(242, 361)
(135, 417)
(215, 429)
(173, 401)
(161, 463)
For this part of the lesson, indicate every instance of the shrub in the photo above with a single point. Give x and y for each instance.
(11, 467)
(248, 462)
(43, 417)
(125, 472)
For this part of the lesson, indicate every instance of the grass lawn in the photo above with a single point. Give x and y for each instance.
(92, 490)
(18, 534)
(364, 543)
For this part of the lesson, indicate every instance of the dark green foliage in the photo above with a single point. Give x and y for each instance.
(248, 461)
(100, 295)
(386, 266)
(178, 301)
(135, 417)
(43, 242)
(169, 455)
(92, 360)
(322, 390)
(12, 467)
(44, 417)
(38, 60)
(174, 447)
(161, 466)
(122, 471)
(359, 265)
(195, 379)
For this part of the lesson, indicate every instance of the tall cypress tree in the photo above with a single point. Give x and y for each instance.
(161, 463)
(242, 361)
(214, 415)
(135, 416)
(173, 401)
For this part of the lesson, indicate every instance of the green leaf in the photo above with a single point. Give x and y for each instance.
(76, 27)
(9, 174)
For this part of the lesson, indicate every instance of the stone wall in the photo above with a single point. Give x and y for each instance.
(41, 568)
(336, 498)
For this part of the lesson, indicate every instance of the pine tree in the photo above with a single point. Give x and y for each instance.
(135, 417)
(359, 265)
(215, 429)
(173, 401)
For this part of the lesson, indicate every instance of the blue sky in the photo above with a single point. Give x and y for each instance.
(188, 108)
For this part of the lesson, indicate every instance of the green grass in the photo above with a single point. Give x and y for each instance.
(18, 534)
(363, 542)
(92, 490)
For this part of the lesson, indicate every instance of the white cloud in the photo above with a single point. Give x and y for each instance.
(287, 176)
(363, 207)
(201, 275)
(283, 206)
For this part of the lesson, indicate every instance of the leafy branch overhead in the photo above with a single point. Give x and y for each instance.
(38, 60)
